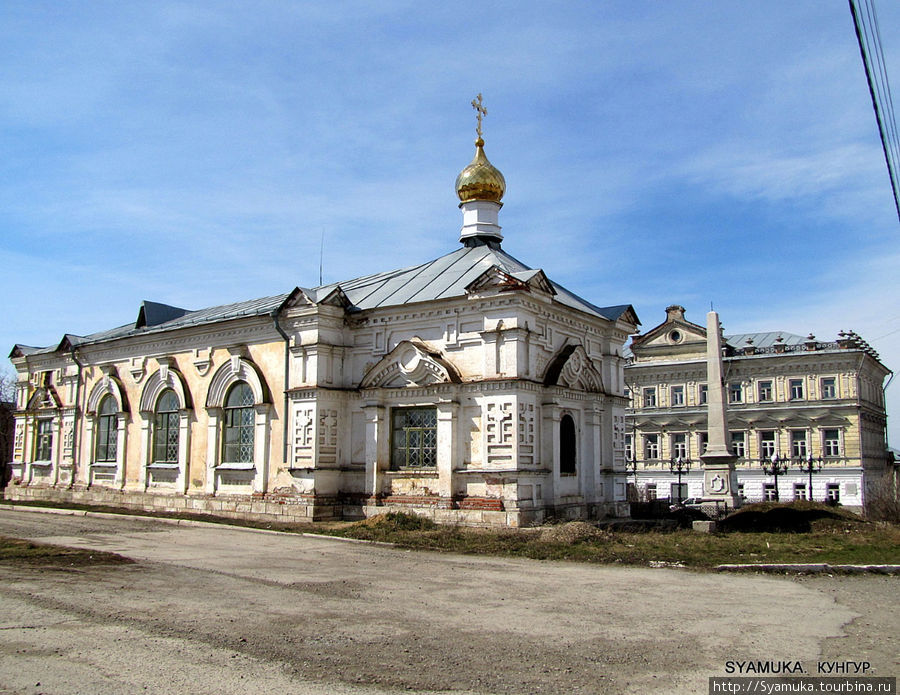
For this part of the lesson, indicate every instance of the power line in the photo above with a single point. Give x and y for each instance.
(868, 35)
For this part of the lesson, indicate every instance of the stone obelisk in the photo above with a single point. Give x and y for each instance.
(719, 478)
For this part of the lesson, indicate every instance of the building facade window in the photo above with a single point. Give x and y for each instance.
(238, 425)
(414, 438)
(651, 446)
(800, 491)
(739, 444)
(165, 428)
(764, 391)
(629, 447)
(650, 397)
(702, 394)
(679, 446)
(703, 439)
(740, 490)
(767, 444)
(567, 445)
(43, 440)
(769, 492)
(795, 389)
(651, 491)
(798, 443)
(831, 442)
(677, 395)
(829, 387)
(678, 491)
(107, 430)
(833, 493)
(735, 392)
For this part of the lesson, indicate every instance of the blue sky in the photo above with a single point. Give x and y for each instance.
(194, 153)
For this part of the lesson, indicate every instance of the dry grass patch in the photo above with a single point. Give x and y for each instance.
(17, 551)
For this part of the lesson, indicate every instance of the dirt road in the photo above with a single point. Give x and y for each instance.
(215, 609)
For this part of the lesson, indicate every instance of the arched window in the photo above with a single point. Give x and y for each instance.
(165, 428)
(567, 445)
(238, 426)
(107, 430)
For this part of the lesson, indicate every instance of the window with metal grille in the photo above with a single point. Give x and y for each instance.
(43, 440)
(414, 438)
(567, 449)
(165, 428)
(107, 429)
(238, 426)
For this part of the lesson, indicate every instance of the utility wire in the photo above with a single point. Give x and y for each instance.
(867, 35)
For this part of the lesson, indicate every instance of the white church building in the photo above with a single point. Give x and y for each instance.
(471, 389)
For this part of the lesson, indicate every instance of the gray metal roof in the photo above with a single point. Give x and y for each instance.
(764, 340)
(441, 278)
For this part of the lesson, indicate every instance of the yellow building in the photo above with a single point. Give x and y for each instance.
(801, 400)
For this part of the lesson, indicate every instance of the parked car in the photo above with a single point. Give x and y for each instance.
(694, 502)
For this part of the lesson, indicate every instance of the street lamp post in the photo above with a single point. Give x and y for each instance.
(679, 466)
(810, 464)
(775, 465)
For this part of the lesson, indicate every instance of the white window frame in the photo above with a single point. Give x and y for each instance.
(163, 379)
(825, 388)
(766, 451)
(678, 444)
(767, 384)
(108, 385)
(739, 451)
(676, 396)
(231, 372)
(796, 390)
(829, 450)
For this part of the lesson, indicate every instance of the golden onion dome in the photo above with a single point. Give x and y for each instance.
(481, 180)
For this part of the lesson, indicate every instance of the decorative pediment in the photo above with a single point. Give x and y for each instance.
(573, 369)
(43, 398)
(411, 363)
(675, 331)
(498, 280)
(108, 385)
(302, 297)
(166, 377)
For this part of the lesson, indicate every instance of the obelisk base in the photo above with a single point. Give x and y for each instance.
(720, 480)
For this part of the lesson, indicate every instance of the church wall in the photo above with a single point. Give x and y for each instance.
(498, 442)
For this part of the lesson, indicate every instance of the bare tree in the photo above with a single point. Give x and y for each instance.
(7, 418)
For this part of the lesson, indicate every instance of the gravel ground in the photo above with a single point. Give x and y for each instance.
(225, 610)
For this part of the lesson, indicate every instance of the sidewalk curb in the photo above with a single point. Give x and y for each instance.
(184, 522)
(813, 568)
